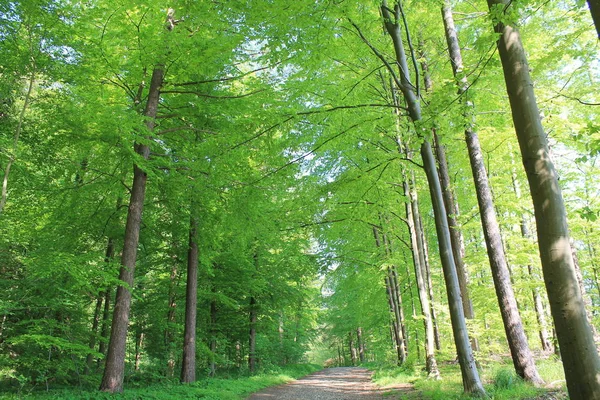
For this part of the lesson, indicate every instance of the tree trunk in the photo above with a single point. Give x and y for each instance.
(393, 302)
(470, 376)
(95, 322)
(351, 349)
(172, 311)
(114, 369)
(517, 340)
(580, 356)
(415, 228)
(188, 366)
(105, 323)
(456, 238)
(252, 337)
(361, 344)
(13, 155)
(540, 315)
(522, 357)
(471, 381)
(139, 342)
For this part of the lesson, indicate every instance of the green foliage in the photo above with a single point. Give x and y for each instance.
(216, 389)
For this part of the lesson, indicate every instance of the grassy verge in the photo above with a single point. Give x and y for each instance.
(499, 379)
(208, 389)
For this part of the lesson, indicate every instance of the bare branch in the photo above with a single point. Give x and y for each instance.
(230, 78)
(377, 53)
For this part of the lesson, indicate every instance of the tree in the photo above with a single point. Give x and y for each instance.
(517, 341)
(471, 380)
(580, 356)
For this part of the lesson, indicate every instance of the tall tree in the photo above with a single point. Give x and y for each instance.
(114, 369)
(188, 366)
(515, 333)
(392, 19)
(580, 356)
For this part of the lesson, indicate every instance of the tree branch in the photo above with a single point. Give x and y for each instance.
(199, 94)
(377, 53)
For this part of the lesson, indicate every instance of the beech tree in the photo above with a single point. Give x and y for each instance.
(580, 356)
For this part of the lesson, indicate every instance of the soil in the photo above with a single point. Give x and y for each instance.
(346, 383)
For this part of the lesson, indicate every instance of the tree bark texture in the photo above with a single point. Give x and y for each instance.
(114, 369)
(455, 232)
(188, 366)
(396, 320)
(352, 349)
(470, 376)
(517, 340)
(414, 227)
(471, 381)
(361, 344)
(522, 357)
(580, 356)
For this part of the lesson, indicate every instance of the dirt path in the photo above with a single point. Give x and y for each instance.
(329, 384)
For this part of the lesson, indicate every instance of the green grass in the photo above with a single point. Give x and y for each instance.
(499, 379)
(208, 389)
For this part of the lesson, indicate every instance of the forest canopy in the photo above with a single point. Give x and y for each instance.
(207, 188)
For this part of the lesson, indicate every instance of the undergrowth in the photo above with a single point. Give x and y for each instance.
(498, 377)
(207, 389)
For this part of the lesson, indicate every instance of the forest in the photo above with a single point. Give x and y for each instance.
(203, 194)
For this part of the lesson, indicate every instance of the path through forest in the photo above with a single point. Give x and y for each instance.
(347, 383)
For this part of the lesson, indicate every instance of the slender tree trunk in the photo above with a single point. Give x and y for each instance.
(351, 349)
(427, 271)
(415, 228)
(282, 358)
(13, 155)
(537, 297)
(580, 356)
(95, 322)
(169, 331)
(517, 341)
(397, 330)
(456, 237)
(252, 337)
(188, 366)
(114, 369)
(105, 323)
(471, 381)
(540, 315)
(139, 342)
(361, 344)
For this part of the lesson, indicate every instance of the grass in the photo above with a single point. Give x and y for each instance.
(207, 389)
(498, 377)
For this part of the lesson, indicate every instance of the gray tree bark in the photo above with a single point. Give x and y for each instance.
(515, 333)
(415, 229)
(471, 381)
(580, 356)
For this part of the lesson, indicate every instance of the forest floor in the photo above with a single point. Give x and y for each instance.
(348, 383)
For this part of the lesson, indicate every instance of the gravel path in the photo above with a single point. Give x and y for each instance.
(328, 384)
